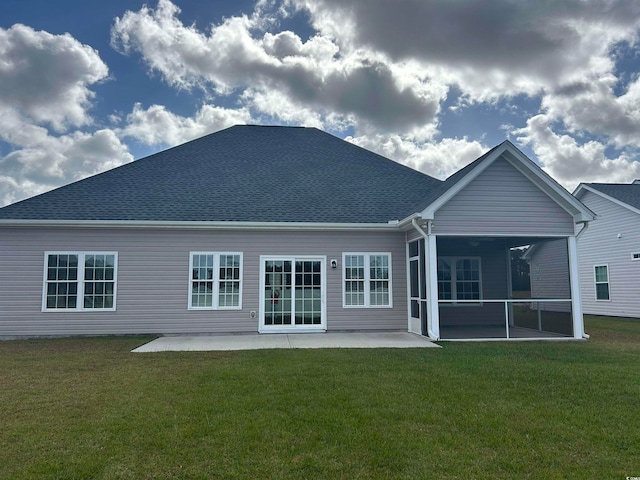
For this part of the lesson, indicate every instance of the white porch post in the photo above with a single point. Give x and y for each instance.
(433, 313)
(574, 279)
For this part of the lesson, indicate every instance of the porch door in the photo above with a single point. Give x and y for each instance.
(418, 284)
(292, 294)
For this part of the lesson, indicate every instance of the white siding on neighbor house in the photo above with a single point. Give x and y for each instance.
(600, 245)
(502, 201)
(153, 279)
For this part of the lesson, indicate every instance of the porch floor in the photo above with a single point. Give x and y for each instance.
(485, 332)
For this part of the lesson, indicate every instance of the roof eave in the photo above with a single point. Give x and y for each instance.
(216, 225)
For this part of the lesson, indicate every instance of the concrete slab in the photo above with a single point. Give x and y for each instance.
(203, 343)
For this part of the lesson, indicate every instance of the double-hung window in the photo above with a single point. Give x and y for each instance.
(459, 278)
(367, 279)
(215, 281)
(80, 281)
(601, 273)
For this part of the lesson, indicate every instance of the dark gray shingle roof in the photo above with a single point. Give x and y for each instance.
(243, 173)
(627, 193)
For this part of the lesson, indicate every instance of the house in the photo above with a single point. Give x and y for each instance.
(285, 229)
(610, 249)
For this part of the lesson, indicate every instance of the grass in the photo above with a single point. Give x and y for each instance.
(88, 409)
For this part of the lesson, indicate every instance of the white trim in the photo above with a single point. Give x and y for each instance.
(217, 225)
(584, 186)
(595, 283)
(80, 281)
(574, 284)
(433, 315)
(293, 328)
(635, 256)
(367, 279)
(215, 301)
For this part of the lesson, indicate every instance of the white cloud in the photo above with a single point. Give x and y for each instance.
(571, 163)
(47, 77)
(362, 85)
(158, 126)
(439, 159)
(490, 49)
(591, 106)
(40, 162)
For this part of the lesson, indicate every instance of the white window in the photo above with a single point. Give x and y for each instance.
(215, 281)
(367, 279)
(80, 281)
(601, 274)
(635, 256)
(459, 278)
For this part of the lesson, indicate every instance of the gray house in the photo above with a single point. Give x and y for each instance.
(610, 249)
(286, 229)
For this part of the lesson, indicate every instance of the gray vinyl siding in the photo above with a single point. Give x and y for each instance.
(493, 264)
(502, 201)
(153, 276)
(600, 245)
(549, 274)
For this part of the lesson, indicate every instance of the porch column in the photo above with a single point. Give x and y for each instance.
(574, 279)
(433, 316)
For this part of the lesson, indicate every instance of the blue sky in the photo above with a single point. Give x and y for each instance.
(87, 86)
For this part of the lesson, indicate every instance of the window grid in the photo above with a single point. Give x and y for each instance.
(367, 279)
(208, 290)
(62, 281)
(79, 281)
(229, 294)
(601, 273)
(354, 279)
(99, 280)
(459, 278)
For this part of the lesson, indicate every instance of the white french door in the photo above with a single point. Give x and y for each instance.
(292, 294)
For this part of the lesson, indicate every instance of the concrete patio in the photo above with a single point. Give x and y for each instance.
(200, 343)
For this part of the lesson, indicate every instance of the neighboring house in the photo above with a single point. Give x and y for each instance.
(610, 249)
(283, 229)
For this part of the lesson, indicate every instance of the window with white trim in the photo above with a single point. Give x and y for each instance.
(601, 276)
(635, 256)
(366, 279)
(459, 278)
(215, 281)
(80, 281)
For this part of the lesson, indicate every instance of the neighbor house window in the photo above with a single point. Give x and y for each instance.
(367, 279)
(602, 282)
(459, 278)
(215, 280)
(80, 281)
(635, 256)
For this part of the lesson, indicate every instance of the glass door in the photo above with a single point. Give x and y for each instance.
(293, 294)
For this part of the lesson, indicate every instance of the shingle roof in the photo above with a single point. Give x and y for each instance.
(627, 193)
(244, 173)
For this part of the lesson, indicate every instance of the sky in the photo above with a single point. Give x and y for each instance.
(86, 86)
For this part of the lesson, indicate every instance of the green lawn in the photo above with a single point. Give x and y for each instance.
(88, 409)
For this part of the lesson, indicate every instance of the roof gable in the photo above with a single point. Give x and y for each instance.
(625, 195)
(506, 150)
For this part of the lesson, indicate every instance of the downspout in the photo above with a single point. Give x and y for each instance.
(425, 235)
(585, 225)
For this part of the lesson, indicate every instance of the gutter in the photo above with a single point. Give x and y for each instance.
(425, 235)
(219, 225)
